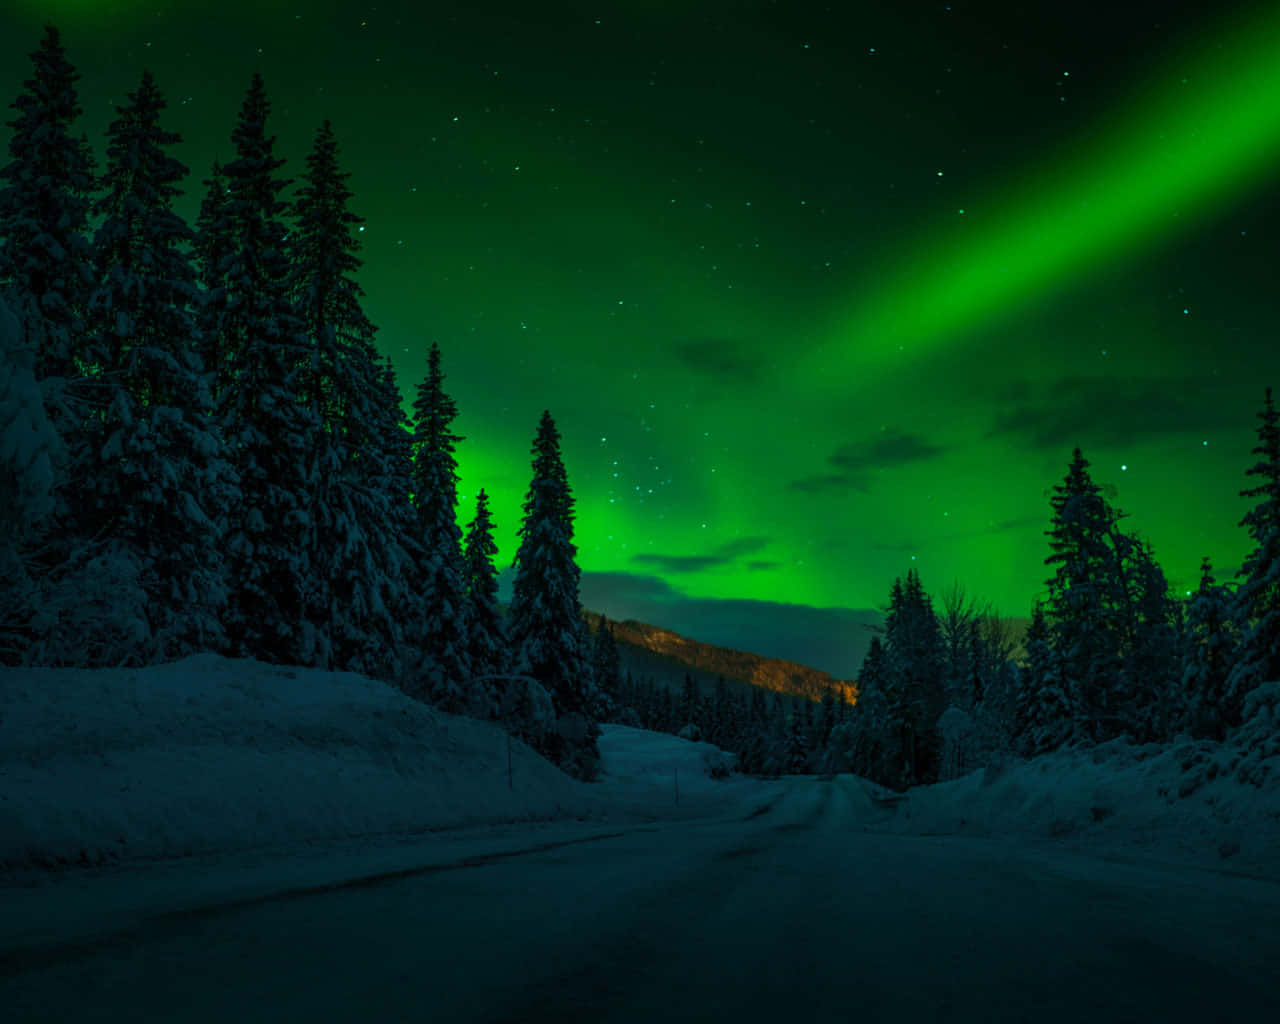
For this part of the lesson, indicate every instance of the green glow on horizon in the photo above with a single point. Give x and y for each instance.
(1157, 172)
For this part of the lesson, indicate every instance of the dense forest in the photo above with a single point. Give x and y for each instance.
(202, 450)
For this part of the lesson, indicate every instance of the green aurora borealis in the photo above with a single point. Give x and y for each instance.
(814, 296)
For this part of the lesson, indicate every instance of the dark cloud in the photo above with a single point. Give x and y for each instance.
(761, 566)
(720, 357)
(1060, 414)
(885, 451)
(723, 555)
(1005, 526)
(857, 461)
(681, 563)
(743, 546)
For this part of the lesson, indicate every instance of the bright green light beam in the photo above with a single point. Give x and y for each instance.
(1152, 175)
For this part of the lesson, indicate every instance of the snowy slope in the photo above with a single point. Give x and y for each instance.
(1202, 803)
(213, 755)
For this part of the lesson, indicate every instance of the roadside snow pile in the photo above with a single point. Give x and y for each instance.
(213, 754)
(1212, 804)
(638, 756)
(647, 772)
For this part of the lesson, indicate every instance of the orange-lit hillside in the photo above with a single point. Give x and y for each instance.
(705, 661)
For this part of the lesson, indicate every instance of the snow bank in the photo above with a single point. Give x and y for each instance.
(214, 755)
(633, 757)
(211, 754)
(1189, 802)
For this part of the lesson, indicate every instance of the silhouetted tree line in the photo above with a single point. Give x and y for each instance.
(201, 449)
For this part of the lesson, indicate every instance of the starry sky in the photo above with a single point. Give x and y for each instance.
(817, 293)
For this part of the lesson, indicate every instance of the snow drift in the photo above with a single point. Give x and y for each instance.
(210, 753)
(1189, 802)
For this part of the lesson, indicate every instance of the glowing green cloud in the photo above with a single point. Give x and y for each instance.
(1158, 171)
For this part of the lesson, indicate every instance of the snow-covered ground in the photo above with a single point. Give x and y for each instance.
(1197, 803)
(211, 756)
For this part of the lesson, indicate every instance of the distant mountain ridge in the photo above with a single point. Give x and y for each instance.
(653, 651)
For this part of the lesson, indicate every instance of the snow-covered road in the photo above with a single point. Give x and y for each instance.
(801, 912)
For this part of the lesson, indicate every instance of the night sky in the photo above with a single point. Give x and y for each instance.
(816, 294)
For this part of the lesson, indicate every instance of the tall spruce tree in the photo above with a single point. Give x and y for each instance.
(1209, 654)
(874, 733)
(1257, 599)
(399, 588)
(1085, 640)
(916, 664)
(486, 635)
(46, 272)
(1151, 683)
(546, 627)
(354, 523)
(262, 350)
(161, 482)
(46, 266)
(440, 626)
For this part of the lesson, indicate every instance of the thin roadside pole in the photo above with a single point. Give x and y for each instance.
(510, 784)
(677, 771)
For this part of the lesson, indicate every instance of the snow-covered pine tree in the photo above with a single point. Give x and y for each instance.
(439, 629)
(1044, 718)
(916, 660)
(269, 431)
(1151, 684)
(1085, 636)
(355, 522)
(870, 741)
(86, 605)
(486, 636)
(1210, 650)
(399, 588)
(1257, 598)
(546, 629)
(161, 482)
(46, 265)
